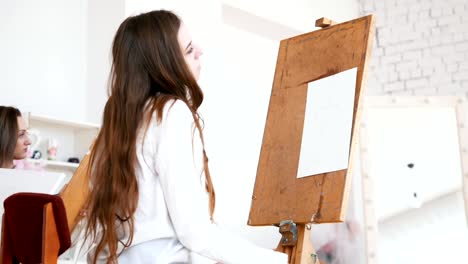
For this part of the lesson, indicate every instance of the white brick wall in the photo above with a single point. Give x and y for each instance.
(421, 47)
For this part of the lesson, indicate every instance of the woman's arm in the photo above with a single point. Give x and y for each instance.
(180, 166)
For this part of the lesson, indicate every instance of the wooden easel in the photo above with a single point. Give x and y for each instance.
(280, 198)
(74, 196)
(76, 193)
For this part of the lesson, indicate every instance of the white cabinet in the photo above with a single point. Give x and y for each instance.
(73, 141)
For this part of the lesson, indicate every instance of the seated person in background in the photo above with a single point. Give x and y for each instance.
(14, 140)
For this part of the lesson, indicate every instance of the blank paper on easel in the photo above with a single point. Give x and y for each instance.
(327, 128)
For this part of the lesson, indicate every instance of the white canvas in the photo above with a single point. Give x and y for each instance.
(327, 124)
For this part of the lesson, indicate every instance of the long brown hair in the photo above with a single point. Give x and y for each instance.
(8, 133)
(148, 66)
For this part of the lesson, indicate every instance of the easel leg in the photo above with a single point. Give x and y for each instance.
(303, 252)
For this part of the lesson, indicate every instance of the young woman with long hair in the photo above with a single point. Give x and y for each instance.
(152, 198)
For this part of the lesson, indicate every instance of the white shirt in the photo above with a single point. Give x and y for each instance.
(172, 221)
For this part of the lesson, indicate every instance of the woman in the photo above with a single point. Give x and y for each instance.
(14, 140)
(152, 199)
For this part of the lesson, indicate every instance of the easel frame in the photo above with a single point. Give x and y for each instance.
(281, 141)
(334, 49)
(459, 104)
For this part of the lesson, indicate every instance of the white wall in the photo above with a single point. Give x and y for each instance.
(235, 113)
(43, 56)
(104, 17)
(299, 14)
(421, 47)
(56, 56)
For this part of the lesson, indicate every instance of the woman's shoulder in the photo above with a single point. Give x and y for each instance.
(177, 109)
(176, 106)
(173, 111)
(175, 116)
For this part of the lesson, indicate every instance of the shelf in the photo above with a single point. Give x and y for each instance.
(54, 163)
(73, 140)
(59, 122)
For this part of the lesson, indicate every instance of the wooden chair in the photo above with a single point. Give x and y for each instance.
(36, 227)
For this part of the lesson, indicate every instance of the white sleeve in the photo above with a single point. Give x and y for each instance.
(186, 198)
